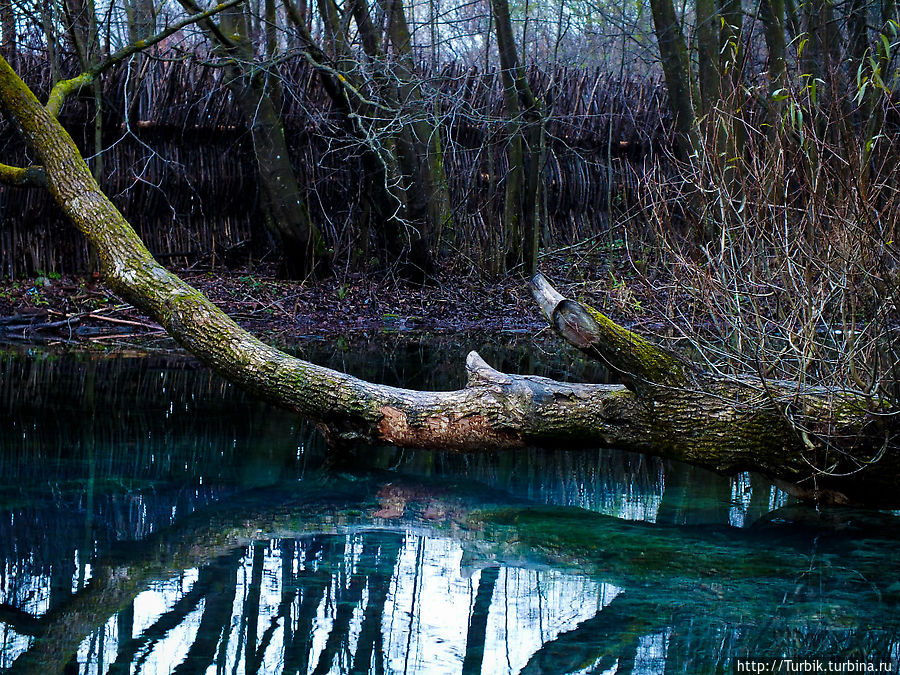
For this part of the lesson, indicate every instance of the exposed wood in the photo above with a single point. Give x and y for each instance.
(633, 357)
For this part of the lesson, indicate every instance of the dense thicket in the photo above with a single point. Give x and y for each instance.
(418, 132)
(185, 166)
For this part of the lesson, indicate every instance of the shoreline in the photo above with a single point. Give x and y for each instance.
(82, 311)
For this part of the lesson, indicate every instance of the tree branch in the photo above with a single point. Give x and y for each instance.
(345, 83)
(317, 58)
(29, 176)
(210, 26)
(65, 88)
(636, 359)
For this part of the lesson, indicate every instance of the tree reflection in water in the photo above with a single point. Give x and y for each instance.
(373, 601)
(186, 529)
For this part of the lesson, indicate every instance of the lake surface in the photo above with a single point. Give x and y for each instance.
(154, 519)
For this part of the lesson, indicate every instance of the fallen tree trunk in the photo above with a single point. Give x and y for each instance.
(667, 409)
(823, 443)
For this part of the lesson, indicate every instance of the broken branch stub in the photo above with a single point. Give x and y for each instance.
(636, 359)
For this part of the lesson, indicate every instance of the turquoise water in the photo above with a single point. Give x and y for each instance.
(154, 519)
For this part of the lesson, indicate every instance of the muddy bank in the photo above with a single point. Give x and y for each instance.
(72, 309)
(78, 309)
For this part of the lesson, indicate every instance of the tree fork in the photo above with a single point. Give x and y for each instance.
(722, 425)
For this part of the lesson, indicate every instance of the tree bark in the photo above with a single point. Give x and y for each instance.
(9, 38)
(731, 135)
(706, 35)
(141, 17)
(676, 69)
(428, 180)
(523, 150)
(772, 13)
(286, 215)
(822, 442)
(816, 439)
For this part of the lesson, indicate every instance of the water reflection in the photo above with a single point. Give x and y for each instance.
(374, 601)
(153, 519)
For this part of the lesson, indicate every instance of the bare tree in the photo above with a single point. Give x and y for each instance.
(253, 87)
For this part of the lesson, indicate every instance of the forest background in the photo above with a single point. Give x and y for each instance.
(738, 158)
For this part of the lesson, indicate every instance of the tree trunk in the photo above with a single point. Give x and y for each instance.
(731, 45)
(706, 35)
(523, 150)
(404, 191)
(10, 38)
(858, 47)
(48, 25)
(676, 68)
(411, 241)
(824, 441)
(731, 67)
(821, 65)
(428, 181)
(286, 215)
(871, 61)
(285, 210)
(772, 13)
(380, 206)
(141, 17)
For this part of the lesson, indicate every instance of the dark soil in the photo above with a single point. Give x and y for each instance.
(72, 309)
(49, 308)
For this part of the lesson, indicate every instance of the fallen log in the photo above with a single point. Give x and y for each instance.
(822, 443)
